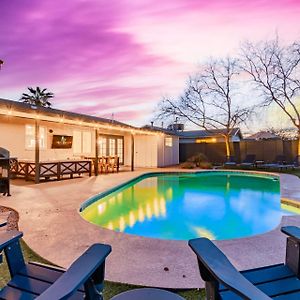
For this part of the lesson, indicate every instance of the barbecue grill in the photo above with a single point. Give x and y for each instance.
(4, 171)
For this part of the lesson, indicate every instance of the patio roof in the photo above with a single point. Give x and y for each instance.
(24, 110)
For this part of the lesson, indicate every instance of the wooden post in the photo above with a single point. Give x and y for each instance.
(96, 162)
(37, 152)
(132, 152)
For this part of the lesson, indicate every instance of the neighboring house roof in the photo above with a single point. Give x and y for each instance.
(263, 135)
(21, 107)
(211, 133)
(194, 134)
(164, 130)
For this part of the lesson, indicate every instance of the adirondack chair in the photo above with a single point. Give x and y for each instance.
(224, 282)
(83, 280)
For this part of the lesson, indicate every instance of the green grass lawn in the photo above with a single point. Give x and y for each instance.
(111, 288)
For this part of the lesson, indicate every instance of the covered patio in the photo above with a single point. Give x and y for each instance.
(62, 144)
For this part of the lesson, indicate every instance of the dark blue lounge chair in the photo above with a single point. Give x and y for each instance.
(277, 163)
(83, 280)
(230, 161)
(294, 164)
(249, 160)
(224, 282)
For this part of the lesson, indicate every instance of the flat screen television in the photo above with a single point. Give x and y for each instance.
(62, 142)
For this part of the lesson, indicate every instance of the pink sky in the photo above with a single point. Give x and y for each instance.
(121, 56)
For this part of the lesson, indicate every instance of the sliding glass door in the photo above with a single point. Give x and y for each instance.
(111, 145)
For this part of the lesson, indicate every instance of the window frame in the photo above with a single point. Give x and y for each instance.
(44, 137)
(108, 137)
(168, 141)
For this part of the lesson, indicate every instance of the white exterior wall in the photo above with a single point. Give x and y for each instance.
(149, 150)
(168, 156)
(12, 137)
(127, 149)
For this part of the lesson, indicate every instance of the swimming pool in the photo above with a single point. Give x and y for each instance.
(180, 206)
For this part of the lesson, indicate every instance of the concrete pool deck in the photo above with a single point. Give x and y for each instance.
(54, 229)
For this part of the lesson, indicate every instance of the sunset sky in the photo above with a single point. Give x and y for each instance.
(121, 56)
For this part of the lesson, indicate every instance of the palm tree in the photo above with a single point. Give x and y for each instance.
(37, 97)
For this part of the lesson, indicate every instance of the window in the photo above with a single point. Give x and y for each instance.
(112, 147)
(168, 142)
(109, 145)
(82, 142)
(102, 146)
(30, 137)
(120, 150)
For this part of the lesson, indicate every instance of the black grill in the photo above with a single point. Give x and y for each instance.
(4, 171)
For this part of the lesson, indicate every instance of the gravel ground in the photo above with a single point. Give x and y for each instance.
(12, 217)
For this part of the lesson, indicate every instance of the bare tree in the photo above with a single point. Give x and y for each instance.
(275, 70)
(210, 99)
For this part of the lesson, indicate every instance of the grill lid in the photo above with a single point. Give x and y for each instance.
(4, 153)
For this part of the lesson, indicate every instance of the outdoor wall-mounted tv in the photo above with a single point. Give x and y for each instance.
(62, 142)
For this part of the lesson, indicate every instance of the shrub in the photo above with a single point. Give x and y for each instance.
(198, 159)
(205, 165)
(187, 165)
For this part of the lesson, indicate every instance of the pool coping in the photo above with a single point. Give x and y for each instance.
(51, 223)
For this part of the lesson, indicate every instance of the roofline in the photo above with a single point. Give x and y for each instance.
(236, 132)
(19, 109)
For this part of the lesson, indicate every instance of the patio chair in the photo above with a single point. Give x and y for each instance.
(83, 280)
(230, 161)
(294, 164)
(249, 161)
(113, 163)
(102, 164)
(279, 160)
(224, 282)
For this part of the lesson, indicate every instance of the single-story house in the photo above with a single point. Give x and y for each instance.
(211, 136)
(66, 135)
(263, 135)
(191, 142)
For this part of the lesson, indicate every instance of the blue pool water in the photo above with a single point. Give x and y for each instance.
(181, 206)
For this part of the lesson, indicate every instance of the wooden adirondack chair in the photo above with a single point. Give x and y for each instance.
(224, 282)
(83, 280)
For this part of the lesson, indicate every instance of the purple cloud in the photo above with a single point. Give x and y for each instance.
(100, 55)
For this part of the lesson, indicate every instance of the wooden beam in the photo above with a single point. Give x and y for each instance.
(37, 152)
(132, 152)
(96, 169)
